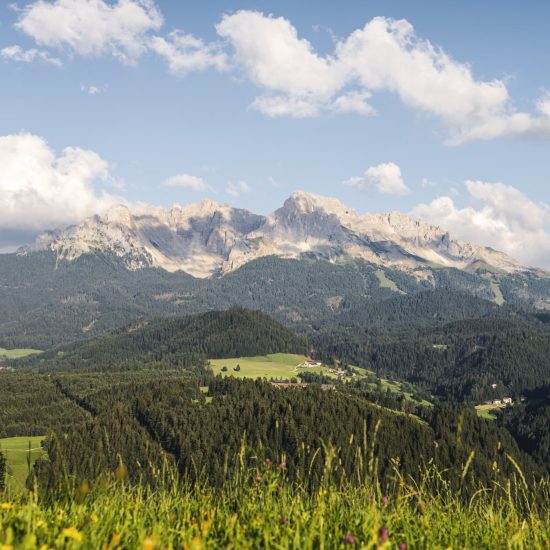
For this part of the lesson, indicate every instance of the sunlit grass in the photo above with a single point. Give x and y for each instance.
(258, 508)
(16, 452)
(17, 353)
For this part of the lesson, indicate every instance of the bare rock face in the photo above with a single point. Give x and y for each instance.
(207, 238)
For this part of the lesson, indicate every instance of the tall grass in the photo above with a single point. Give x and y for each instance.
(258, 508)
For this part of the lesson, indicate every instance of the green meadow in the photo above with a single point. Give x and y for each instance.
(17, 353)
(256, 508)
(275, 365)
(16, 452)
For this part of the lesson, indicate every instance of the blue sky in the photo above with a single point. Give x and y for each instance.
(435, 108)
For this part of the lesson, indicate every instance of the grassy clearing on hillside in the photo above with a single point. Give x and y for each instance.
(257, 509)
(17, 353)
(484, 411)
(499, 298)
(387, 283)
(16, 451)
(275, 365)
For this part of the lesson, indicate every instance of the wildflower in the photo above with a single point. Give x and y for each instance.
(84, 488)
(40, 523)
(150, 543)
(282, 465)
(349, 539)
(6, 547)
(402, 546)
(94, 518)
(268, 461)
(385, 500)
(115, 539)
(205, 525)
(6, 506)
(259, 479)
(121, 471)
(72, 533)
(383, 534)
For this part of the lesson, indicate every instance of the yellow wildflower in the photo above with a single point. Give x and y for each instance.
(72, 533)
(205, 525)
(40, 523)
(150, 543)
(115, 539)
(6, 506)
(94, 518)
(121, 471)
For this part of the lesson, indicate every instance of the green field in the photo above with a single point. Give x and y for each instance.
(387, 283)
(17, 353)
(484, 411)
(275, 365)
(16, 450)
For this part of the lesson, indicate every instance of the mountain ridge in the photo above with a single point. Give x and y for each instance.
(206, 239)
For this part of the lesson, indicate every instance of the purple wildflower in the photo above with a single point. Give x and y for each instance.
(383, 534)
(349, 539)
(385, 500)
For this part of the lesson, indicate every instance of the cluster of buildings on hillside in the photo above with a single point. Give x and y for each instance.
(503, 401)
(288, 384)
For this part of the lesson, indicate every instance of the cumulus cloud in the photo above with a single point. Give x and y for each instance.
(506, 219)
(187, 181)
(354, 102)
(92, 27)
(40, 189)
(236, 189)
(386, 55)
(91, 89)
(385, 178)
(18, 54)
(184, 52)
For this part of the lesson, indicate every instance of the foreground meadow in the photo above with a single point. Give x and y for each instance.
(257, 509)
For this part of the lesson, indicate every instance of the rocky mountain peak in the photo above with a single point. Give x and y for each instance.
(208, 238)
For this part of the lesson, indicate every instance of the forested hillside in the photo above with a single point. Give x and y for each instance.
(142, 425)
(183, 342)
(46, 302)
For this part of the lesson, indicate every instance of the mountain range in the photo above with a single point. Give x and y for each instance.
(207, 238)
(308, 263)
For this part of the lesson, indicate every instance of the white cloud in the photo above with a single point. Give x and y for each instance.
(187, 181)
(287, 105)
(92, 27)
(40, 190)
(385, 178)
(274, 57)
(354, 102)
(386, 55)
(506, 220)
(18, 54)
(510, 125)
(184, 52)
(91, 89)
(236, 189)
